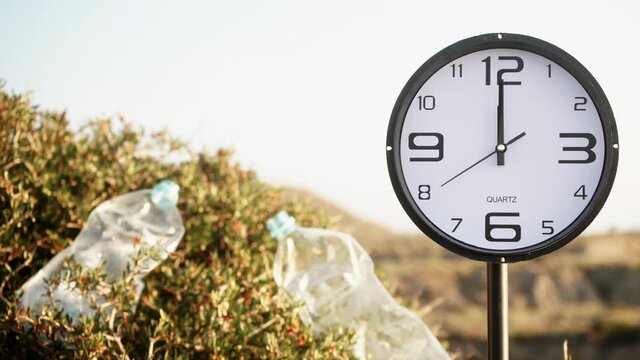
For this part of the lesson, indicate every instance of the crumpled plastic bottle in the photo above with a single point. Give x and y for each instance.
(333, 276)
(117, 230)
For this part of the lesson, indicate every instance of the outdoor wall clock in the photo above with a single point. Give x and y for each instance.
(502, 147)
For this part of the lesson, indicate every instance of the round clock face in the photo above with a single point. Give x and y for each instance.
(502, 147)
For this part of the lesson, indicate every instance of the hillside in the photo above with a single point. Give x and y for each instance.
(213, 298)
(587, 292)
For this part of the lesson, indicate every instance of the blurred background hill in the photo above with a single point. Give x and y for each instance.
(587, 292)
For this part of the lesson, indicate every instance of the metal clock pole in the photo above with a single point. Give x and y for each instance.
(498, 307)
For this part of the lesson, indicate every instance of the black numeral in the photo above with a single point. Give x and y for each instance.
(547, 229)
(438, 147)
(427, 102)
(424, 192)
(518, 68)
(489, 227)
(581, 192)
(591, 143)
(453, 70)
(581, 100)
(458, 222)
(549, 67)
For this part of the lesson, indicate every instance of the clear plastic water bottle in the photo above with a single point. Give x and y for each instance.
(118, 230)
(333, 276)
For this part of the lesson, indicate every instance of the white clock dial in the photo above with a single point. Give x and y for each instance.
(501, 149)
(456, 118)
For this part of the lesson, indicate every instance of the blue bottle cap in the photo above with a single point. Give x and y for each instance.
(281, 224)
(165, 194)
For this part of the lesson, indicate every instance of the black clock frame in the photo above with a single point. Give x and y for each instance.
(505, 41)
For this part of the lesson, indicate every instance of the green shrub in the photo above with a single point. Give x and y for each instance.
(213, 298)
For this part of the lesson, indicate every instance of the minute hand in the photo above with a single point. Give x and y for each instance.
(484, 158)
(500, 147)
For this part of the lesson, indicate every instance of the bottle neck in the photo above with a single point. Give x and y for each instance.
(285, 232)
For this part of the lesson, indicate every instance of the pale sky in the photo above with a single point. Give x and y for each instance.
(302, 90)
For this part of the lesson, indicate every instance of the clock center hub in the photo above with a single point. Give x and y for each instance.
(501, 148)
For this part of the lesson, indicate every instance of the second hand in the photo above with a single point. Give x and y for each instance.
(484, 158)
